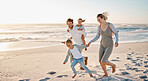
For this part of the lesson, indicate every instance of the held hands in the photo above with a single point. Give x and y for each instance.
(116, 44)
(88, 45)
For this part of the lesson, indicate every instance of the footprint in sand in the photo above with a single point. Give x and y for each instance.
(25, 80)
(44, 79)
(60, 76)
(51, 73)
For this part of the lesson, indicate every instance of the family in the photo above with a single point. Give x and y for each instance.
(106, 30)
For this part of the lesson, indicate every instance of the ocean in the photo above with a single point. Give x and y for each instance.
(26, 36)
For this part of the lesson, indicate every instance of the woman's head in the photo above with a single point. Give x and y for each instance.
(69, 44)
(102, 17)
(69, 22)
(80, 20)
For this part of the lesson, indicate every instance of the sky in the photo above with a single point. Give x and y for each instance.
(57, 11)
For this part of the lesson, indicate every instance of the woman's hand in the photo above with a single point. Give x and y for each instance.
(116, 44)
(88, 44)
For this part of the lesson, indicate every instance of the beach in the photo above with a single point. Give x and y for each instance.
(46, 63)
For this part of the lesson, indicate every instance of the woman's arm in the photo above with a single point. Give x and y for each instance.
(97, 36)
(114, 31)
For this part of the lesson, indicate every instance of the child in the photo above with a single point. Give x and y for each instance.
(76, 35)
(75, 54)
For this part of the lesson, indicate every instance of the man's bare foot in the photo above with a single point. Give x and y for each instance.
(91, 75)
(113, 68)
(74, 76)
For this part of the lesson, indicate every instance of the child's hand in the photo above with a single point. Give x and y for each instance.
(85, 49)
(70, 38)
(64, 63)
(63, 42)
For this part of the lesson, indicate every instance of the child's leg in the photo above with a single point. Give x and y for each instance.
(83, 65)
(74, 62)
(83, 40)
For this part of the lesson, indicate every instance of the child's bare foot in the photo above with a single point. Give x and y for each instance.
(74, 76)
(91, 75)
(113, 68)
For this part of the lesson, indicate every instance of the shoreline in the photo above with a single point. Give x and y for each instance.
(17, 49)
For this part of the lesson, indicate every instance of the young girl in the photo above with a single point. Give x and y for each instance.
(75, 53)
(81, 28)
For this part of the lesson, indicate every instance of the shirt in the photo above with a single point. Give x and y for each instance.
(76, 35)
(76, 53)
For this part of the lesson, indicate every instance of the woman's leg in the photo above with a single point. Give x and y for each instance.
(105, 57)
(101, 53)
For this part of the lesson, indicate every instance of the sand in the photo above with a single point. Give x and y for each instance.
(46, 64)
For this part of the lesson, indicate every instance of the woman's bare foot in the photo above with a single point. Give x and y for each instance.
(74, 76)
(105, 75)
(91, 75)
(113, 68)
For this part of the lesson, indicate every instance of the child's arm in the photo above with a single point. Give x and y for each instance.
(80, 46)
(67, 56)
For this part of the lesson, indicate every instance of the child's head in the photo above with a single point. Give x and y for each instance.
(69, 44)
(69, 22)
(80, 20)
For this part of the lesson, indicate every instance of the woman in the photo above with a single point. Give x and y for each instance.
(106, 44)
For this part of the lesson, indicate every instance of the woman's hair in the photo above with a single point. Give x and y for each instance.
(68, 41)
(103, 15)
(81, 19)
(69, 20)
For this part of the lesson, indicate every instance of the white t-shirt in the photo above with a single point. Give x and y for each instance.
(76, 53)
(76, 35)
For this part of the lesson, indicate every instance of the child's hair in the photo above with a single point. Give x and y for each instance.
(81, 19)
(68, 41)
(69, 20)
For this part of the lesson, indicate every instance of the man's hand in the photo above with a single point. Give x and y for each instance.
(63, 42)
(80, 29)
(67, 30)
